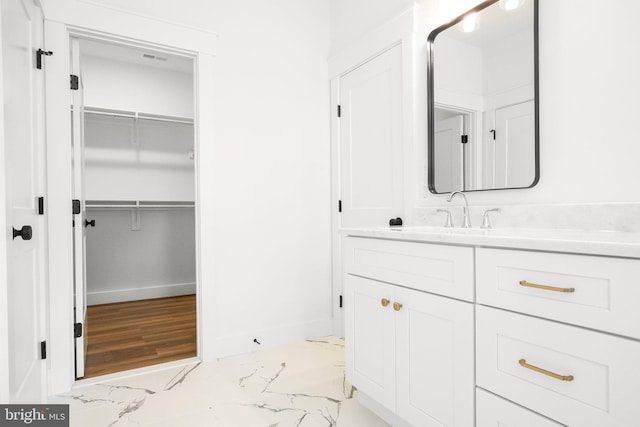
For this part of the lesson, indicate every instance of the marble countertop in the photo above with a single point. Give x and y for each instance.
(607, 243)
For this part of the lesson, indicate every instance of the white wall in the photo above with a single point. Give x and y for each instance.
(118, 85)
(155, 261)
(455, 85)
(351, 19)
(270, 176)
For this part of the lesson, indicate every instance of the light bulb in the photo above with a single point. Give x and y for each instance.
(469, 24)
(510, 4)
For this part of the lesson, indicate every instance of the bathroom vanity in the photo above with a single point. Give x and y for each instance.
(463, 327)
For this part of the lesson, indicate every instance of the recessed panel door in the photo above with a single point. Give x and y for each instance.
(24, 232)
(371, 141)
(435, 357)
(370, 338)
(515, 145)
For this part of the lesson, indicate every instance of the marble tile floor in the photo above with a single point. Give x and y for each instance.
(300, 385)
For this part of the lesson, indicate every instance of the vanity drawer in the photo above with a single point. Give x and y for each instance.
(606, 291)
(596, 380)
(493, 411)
(440, 269)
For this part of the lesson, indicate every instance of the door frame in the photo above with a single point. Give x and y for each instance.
(71, 18)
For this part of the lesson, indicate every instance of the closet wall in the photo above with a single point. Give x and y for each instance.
(139, 177)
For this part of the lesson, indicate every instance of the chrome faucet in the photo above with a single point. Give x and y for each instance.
(466, 221)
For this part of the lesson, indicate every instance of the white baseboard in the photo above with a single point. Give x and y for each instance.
(272, 337)
(381, 411)
(134, 294)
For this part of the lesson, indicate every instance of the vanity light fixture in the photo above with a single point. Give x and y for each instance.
(469, 23)
(510, 4)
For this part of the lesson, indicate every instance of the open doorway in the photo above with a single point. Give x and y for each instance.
(134, 206)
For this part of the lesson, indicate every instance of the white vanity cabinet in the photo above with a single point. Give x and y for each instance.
(408, 350)
(488, 335)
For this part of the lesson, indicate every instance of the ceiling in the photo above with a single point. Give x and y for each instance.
(135, 55)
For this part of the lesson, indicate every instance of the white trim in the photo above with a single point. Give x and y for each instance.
(273, 337)
(136, 294)
(127, 24)
(390, 417)
(205, 210)
(336, 241)
(373, 43)
(131, 373)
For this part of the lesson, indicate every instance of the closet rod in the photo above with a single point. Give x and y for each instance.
(135, 115)
(137, 206)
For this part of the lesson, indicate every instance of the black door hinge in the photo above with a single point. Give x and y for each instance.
(74, 82)
(77, 330)
(43, 350)
(464, 139)
(339, 111)
(493, 131)
(339, 205)
(340, 304)
(40, 205)
(75, 206)
(39, 54)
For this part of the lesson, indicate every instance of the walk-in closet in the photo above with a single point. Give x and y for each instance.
(134, 218)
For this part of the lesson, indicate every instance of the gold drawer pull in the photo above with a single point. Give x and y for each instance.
(524, 364)
(397, 306)
(545, 287)
(385, 302)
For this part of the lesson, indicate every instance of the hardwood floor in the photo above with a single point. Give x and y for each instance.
(134, 334)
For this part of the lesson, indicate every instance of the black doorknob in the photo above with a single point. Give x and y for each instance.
(395, 221)
(88, 223)
(26, 232)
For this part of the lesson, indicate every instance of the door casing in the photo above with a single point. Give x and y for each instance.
(61, 24)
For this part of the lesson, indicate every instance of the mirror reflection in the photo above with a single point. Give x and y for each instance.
(482, 106)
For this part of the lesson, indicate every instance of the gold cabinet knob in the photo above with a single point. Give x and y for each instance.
(397, 306)
(385, 302)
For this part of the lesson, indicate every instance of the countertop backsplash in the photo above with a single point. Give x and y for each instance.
(618, 217)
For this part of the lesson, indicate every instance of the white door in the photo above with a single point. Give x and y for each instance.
(435, 360)
(515, 145)
(448, 154)
(79, 233)
(22, 136)
(370, 338)
(371, 141)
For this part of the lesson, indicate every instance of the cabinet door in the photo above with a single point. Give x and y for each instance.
(435, 360)
(370, 338)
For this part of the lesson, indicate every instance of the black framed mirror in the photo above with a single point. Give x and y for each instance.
(483, 99)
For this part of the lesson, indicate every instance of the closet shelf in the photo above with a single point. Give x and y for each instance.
(109, 204)
(136, 115)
